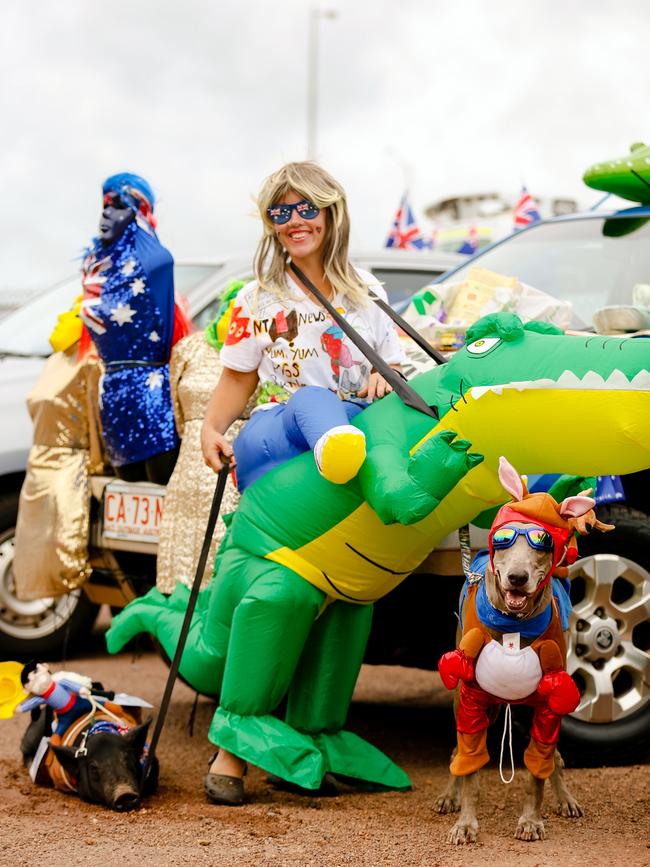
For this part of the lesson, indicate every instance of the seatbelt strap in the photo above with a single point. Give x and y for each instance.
(407, 328)
(404, 391)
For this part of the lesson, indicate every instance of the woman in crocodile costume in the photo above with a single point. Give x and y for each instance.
(289, 608)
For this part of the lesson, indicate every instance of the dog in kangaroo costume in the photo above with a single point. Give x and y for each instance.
(512, 649)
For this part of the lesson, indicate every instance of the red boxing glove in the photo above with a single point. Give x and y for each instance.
(455, 666)
(563, 694)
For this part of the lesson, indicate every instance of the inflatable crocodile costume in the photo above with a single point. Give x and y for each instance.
(288, 611)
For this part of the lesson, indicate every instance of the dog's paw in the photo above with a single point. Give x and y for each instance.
(569, 807)
(446, 803)
(464, 831)
(530, 830)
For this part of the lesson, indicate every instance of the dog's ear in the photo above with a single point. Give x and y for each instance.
(576, 507)
(511, 480)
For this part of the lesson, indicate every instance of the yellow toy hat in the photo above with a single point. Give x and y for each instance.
(11, 689)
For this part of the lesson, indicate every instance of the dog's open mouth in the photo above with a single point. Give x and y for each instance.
(515, 599)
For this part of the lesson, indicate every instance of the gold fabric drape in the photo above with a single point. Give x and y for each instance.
(51, 547)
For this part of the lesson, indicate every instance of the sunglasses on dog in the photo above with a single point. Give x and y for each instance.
(280, 214)
(536, 537)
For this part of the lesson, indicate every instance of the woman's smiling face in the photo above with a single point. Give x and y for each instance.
(301, 238)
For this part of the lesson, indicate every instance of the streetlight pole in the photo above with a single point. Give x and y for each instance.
(315, 14)
(312, 81)
(405, 165)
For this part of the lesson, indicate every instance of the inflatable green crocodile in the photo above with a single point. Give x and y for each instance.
(288, 611)
(627, 177)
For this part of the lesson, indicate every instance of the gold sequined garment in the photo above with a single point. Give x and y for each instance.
(194, 372)
(51, 551)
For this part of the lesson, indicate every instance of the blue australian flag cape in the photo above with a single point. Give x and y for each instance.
(495, 619)
(128, 308)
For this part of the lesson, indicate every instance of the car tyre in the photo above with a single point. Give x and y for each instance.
(617, 564)
(42, 628)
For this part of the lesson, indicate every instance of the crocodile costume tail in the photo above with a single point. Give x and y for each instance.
(261, 633)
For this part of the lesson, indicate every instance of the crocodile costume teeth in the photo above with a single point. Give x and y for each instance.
(287, 613)
(591, 381)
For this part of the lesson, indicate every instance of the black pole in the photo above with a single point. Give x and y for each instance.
(185, 628)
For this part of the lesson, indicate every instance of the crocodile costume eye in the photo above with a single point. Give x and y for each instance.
(483, 345)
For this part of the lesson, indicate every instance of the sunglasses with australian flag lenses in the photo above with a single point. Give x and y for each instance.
(280, 214)
(536, 537)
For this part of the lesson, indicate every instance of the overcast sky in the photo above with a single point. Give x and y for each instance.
(205, 98)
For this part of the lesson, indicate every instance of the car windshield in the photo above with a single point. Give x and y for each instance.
(401, 283)
(187, 277)
(576, 261)
(26, 330)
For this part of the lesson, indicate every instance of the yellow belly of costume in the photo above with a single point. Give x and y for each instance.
(361, 559)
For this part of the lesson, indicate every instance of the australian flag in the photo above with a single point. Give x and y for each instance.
(405, 233)
(526, 210)
(470, 244)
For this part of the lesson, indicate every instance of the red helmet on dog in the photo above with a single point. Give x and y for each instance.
(541, 509)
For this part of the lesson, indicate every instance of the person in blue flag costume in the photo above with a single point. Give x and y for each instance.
(129, 311)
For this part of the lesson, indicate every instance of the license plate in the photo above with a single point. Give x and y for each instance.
(133, 510)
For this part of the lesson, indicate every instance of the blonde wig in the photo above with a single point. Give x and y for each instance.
(309, 180)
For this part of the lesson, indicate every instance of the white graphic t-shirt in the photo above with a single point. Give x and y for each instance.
(294, 342)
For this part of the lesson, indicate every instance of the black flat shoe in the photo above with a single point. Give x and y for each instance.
(222, 789)
(329, 787)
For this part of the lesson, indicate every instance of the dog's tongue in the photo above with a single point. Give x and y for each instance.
(515, 600)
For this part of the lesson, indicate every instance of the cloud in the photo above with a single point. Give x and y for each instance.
(206, 99)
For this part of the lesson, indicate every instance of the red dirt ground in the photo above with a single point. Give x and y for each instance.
(403, 711)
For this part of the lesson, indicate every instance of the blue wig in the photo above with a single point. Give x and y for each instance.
(125, 182)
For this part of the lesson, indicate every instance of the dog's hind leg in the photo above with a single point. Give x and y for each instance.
(530, 826)
(566, 804)
(466, 827)
(449, 800)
